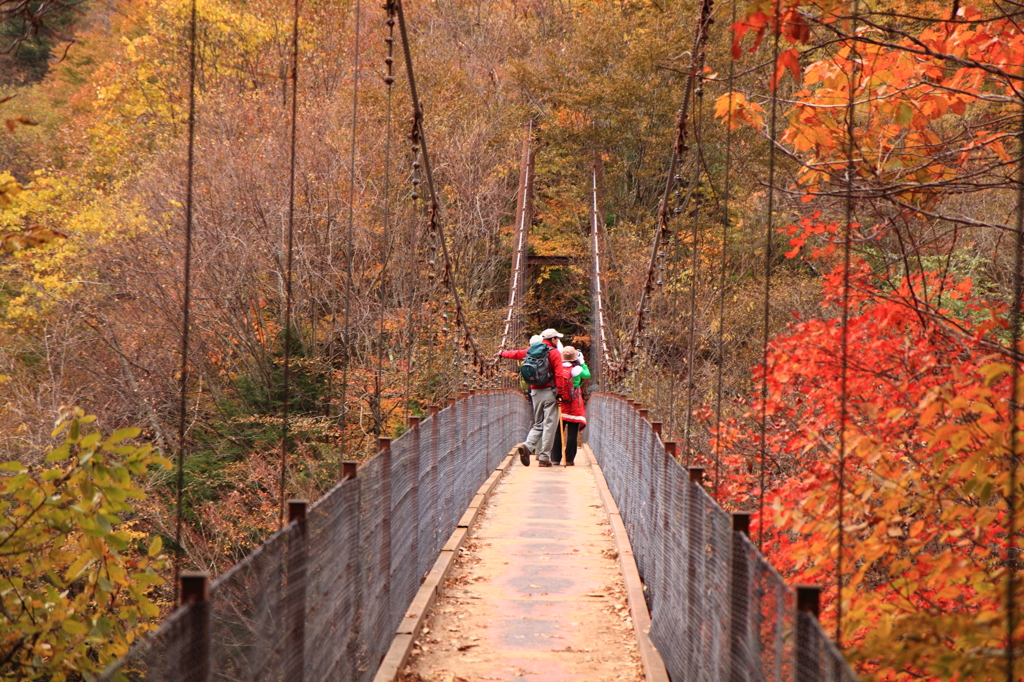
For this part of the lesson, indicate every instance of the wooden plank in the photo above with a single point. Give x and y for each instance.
(456, 540)
(427, 594)
(654, 666)
(411, 624)
(394, 659)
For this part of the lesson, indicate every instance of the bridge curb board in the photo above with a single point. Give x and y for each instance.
(409, 629)
(654, 666)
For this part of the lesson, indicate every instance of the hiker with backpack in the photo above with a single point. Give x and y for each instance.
(574, 412)
(542, 370)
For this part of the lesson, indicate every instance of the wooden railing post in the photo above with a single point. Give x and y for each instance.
(295, 590)
(739, 599)
(806, 638)
(195, 596)
(349, 469)
(696, 475)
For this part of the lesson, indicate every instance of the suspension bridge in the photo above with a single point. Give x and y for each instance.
(361, 584)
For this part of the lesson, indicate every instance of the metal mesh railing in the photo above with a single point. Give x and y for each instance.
(719, 610)
(322, 598)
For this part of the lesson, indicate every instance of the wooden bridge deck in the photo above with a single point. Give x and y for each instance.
(536, 594)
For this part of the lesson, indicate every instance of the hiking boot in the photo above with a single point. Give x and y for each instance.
(543, 462)
(570, 464)
(524, 454)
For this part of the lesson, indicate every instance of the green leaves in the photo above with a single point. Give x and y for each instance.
(76, 582)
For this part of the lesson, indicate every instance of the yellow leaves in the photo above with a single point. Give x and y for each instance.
(75, 628)
(9, 189)
(62, 530)
(994, 372)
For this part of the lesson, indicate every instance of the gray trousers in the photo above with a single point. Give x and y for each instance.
(545, 422)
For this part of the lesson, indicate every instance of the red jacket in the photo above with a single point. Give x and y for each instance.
(563, 380)
(574, 410)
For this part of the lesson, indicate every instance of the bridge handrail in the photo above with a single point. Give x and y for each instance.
(322, 598)
(719, 610)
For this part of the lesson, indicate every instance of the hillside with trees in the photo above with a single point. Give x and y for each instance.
(851, 178)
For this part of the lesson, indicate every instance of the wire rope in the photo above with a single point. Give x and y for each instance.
(186, 298)
(679, 148)
(844, 392)
(602, 340)
(726, 196)
(389, 81)
(694, 265)
(434, 224)
(1016, 410)
(770, 224)
(350, 239)
(512, 317)
(289, 260)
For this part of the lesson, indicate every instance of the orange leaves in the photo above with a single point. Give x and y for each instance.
(925, 472)
(756, 22)
(808, 228)
(906, 91)
(790, 59)
(741, 111)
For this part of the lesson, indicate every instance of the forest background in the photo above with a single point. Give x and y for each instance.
(918, 173)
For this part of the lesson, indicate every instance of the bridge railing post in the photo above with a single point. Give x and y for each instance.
(295, 590)
(195, 596)
(807, 635)
(739, 600)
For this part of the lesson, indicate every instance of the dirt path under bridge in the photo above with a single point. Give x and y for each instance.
(536, 595)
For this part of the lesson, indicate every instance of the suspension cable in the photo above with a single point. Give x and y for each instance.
(435, 226)
(726, 196)
(289, 259)
(186, 296)
(1016, 410)
(844, 393)
(385, 254)
(770, 225)
(604, 360)
(350, 239)
(512, 321)
(679, 148)
(694, 264)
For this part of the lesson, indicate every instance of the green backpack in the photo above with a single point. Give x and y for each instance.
(536, 367)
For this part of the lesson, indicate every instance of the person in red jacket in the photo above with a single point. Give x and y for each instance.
(574, 411)
(545, 406)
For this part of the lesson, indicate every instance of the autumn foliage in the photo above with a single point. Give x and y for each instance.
(901, 120)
